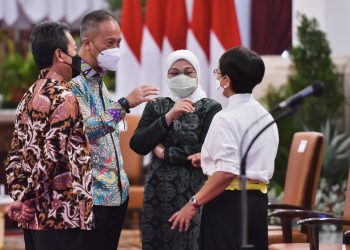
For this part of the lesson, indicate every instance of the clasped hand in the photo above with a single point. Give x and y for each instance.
(20, 211)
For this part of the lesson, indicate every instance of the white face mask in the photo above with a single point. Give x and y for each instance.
(182, 85)
(108, 59)
(218, 86)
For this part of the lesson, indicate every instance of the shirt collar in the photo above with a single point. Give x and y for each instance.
(90, 72)
(49, 74)
(236, 99)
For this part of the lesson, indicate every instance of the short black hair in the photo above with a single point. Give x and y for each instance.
(45, 38)
(92, 20)
(244, 67)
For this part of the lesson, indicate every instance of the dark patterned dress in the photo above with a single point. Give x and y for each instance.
(171, 182)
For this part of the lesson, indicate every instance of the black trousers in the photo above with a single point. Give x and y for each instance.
(221, 221)
(108, 225)
(68, 239)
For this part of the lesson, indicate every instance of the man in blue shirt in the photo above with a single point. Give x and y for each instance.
(100, 39)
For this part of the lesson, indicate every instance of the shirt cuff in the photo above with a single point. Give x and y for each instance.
(115, 113)
(108, 118)
(228, 167)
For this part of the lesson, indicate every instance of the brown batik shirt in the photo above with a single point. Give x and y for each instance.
(49, 160)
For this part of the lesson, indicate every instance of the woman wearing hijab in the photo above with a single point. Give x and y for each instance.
(172, 128)
(238, 72)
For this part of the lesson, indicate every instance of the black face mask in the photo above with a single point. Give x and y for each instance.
(76, 65)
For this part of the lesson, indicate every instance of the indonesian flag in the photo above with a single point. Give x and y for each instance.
(176, 25)
(128, 73)
(152, 43)
(224, 35)
(213, 28)
(198, 38)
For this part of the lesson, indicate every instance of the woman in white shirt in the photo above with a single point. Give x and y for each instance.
(239, 71)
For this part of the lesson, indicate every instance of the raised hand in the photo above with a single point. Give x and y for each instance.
(181, 106)
(141, 94)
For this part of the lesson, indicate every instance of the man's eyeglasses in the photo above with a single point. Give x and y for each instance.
(216, 72)
(190, 72)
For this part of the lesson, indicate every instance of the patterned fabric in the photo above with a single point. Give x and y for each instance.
(49, 160)
(171, 182)
(110, 182)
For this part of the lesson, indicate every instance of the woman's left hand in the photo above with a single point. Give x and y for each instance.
(183, 217)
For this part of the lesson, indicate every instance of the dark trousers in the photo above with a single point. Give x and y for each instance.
(68, 239)
(108, 225)
(221, 222)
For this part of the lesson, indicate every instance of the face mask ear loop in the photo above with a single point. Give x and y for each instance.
(65, 54)
(60, 54)
(97, 48)
(221, 79)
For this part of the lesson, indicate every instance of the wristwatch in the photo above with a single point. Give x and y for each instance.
(193, 202)
(125, 104)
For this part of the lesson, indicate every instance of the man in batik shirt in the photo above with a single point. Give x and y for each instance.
(49, 166)
(100, 38)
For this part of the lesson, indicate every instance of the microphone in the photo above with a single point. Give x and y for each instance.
(315, 89)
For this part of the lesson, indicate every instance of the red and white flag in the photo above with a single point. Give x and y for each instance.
(152, 43)
(176, 26)
(128, 72)
(198, 38)
(213, 28)
(224, 35)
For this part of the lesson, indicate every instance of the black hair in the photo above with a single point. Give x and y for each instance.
(244, 67)
(92, 20)
(45, 38)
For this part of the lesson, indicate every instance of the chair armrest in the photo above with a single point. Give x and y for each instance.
(346, 238)
(284, 206)
(288, 215)
(321, 221)
(313, 227)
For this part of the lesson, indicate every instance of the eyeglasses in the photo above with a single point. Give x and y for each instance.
(216, 72)
(174, 72)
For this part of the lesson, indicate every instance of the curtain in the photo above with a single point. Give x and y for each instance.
(271, 26)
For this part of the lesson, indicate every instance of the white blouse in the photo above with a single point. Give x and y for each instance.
(221, 148)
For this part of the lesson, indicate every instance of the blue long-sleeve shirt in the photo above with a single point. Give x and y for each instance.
(110, 183)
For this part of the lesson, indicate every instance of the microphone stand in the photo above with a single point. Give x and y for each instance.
(243, 179)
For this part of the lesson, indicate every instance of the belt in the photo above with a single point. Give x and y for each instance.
(250, 185)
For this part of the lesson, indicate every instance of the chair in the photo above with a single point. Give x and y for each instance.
(302, 179)
(313, 220)
(132, 163)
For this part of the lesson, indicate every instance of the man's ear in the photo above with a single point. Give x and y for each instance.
(86, 44)
(58, 55)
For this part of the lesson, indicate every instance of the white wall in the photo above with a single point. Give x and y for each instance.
(333, 17)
